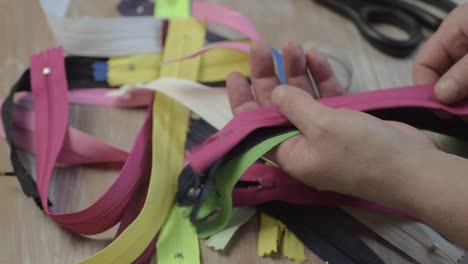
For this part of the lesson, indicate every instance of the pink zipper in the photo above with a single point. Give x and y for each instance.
(50, 94)
(233, 133)
(274, 184)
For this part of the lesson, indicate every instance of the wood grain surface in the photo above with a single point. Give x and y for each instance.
(27, 236)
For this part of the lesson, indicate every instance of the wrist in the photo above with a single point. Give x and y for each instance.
(401, 180)
(420, 180)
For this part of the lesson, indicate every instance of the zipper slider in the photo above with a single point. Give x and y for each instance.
(266, 183)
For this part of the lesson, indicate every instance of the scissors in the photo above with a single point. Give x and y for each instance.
(404, 15)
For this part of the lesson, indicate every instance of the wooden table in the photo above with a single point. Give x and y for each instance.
(27, 236)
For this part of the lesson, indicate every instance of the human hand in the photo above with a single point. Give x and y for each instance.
(443, 60)
(339, 150)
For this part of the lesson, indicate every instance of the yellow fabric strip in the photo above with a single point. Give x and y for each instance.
(133, 69)
(272, 234)
(136, 237)
(269, 235)
(170, 124)
(215, 66)
(292, 248)
(218, 63)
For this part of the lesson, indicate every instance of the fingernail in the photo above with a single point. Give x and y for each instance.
(448, 91)
(278, 93)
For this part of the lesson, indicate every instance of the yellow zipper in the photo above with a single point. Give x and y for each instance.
(178, 240)
(214, 66)
(274, 235)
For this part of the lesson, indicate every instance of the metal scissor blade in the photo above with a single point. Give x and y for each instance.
(315, 90)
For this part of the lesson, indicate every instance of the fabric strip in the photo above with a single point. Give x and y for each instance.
(240, 216)
(170, 124)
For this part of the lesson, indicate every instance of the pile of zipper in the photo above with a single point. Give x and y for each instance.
(194, 172)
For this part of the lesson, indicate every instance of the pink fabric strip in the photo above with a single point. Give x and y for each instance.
(218, 14)
(108, 209)
(277, 185)
(135, 206)
(100, 97)
(78, 147)
(215, 146)
(240, 46)
(50, 95)
(409, 96)
(51, 104)
(234, 132)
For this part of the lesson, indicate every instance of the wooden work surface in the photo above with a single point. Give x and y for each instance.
(27, 236)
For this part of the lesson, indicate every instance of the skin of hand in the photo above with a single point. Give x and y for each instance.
(443, 60)
(338, 149)
(343, 150)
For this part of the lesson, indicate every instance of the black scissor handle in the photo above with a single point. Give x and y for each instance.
(364, 14)
(372, 14)
(424, 17)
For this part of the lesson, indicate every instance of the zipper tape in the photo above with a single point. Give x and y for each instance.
(273, 184)
(171, 122)
(273, 234)
(269, 235)
(323, 231)
(177, 241)
(292, 247)
(131, 35)
(173, 8)
(227, 178)
(417, 240)
(240, 216)
(99, 97)
(50, 133)
(214, 66)
(78, 147)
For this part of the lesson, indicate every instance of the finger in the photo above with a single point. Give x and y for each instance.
(239, 94)
(448, 45)
(432, 61)
(292, 154)
(295, 66)
(300, 108)
(453, 85)
(323, 74)
(264, 78)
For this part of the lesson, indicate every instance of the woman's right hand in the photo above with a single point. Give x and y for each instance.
(443, 60)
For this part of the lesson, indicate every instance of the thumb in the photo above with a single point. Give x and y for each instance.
(299, 107)
(453, 85)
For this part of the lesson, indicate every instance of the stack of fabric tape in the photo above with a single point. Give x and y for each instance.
(194, 171)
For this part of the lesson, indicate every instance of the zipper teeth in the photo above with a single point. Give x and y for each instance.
(45, 183)
(428, 243)
(49, 92)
